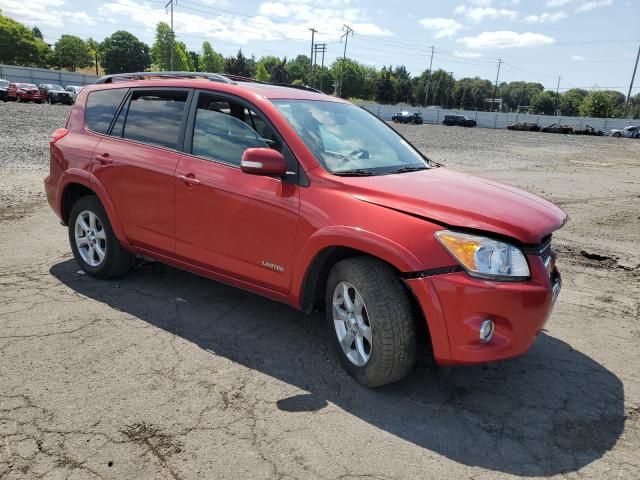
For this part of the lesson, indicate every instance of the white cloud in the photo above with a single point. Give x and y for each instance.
(578, 58)
(557, 3)
(40, 12)
(478, 14)
(444, 27)
(481, 3)
(458, 53)
(593, 4)
(506, 39)
(546, 17)
(265, 26)
(79, 18)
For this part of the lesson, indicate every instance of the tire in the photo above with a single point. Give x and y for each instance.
(18, 100)
(617, 134)
(116, 261)
(386, 311)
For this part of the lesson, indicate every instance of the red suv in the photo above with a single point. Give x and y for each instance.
(308, 200)
(24, 92)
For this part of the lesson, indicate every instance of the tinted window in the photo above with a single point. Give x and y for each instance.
(222, 131)
(102, 105)
(155, 117)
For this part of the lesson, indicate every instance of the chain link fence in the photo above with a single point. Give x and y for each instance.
(37, 76)
(498, 119)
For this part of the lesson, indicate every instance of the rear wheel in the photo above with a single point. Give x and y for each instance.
(370, 319)
(617, 134)
(93, 243)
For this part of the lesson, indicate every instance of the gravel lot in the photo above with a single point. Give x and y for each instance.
(167, 375)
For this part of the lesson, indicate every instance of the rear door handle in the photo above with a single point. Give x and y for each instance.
(104, 158)
(189, 179)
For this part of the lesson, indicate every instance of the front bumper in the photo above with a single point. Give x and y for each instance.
(455, 305)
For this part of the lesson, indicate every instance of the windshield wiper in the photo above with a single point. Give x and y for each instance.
(356, 172)
(409, 168)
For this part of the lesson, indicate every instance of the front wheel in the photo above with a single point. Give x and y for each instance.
(93, 243)
(617, 134)
(370, 319)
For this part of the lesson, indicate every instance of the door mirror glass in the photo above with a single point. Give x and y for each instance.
(263, 161)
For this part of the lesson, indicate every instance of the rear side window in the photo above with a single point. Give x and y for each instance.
(102, 105)
(155, 117)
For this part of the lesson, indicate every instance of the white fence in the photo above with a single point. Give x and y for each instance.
(498, 119)
(37, 76)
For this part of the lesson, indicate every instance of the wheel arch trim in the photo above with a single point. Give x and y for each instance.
(76, 176)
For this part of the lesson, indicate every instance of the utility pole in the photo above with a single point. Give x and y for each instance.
(319, 47)
(311, 61)
(348, 31)
(495, 89)
(426, 90)
(557, 93)
(170, 4)
(96, 54)
(633, 77)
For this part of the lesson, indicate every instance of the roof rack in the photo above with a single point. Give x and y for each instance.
(299, 87)
(215, 77)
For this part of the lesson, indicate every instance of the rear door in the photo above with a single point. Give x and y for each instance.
(136, 163)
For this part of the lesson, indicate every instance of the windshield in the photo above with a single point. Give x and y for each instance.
(54, 87)
(27, 85)
(347, 139)
(4, 83)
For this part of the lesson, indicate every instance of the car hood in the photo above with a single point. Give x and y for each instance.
(456, 199)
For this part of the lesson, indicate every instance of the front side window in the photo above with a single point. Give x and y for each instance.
(346, 139)
(102, 105)
(223, 130)
(155, 117)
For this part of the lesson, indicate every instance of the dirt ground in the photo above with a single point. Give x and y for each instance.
(167, 375)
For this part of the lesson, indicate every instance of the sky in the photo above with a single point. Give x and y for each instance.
(587, 43)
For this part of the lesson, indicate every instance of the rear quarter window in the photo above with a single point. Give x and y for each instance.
(102, 106)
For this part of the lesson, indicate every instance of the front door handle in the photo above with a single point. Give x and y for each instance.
(104, 158)
(189, 179)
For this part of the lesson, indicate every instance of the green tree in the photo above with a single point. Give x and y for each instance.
(598, 104)
(238, 65)
(386, 85)
(261, 73)
(298, 69)
(195, 60)
(123, 52)
(161, 50)
(354, 77)
(544, 103)
(71, 53)
(518, 94)
(211, 61)
(37, 33)
(571, 100)
(20, 46)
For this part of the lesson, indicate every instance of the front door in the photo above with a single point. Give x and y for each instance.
(237, 224)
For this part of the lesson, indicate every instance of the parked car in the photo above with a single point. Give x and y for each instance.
(589, 130)
(524, 127)
(459, 120)
(396, 117)
(53, 93)
(306, 199)
(628, 132)
(557, 128)
(4, 85)
(23, 92)
(406, 117)
(73, 91)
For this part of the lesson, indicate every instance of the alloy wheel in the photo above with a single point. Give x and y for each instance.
(91, 238)
(351, 323)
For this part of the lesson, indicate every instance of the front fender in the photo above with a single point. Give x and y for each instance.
(350, 237)
(82, 177)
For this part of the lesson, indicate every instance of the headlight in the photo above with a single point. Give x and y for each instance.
(485, 257)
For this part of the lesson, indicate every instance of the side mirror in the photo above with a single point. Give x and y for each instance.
(263, 161)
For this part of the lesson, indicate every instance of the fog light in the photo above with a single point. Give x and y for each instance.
(486, 331)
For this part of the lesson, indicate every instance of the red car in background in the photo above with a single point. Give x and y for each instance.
(24, 92)
(309, 200)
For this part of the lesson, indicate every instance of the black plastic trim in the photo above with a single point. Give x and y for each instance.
(432, 272)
